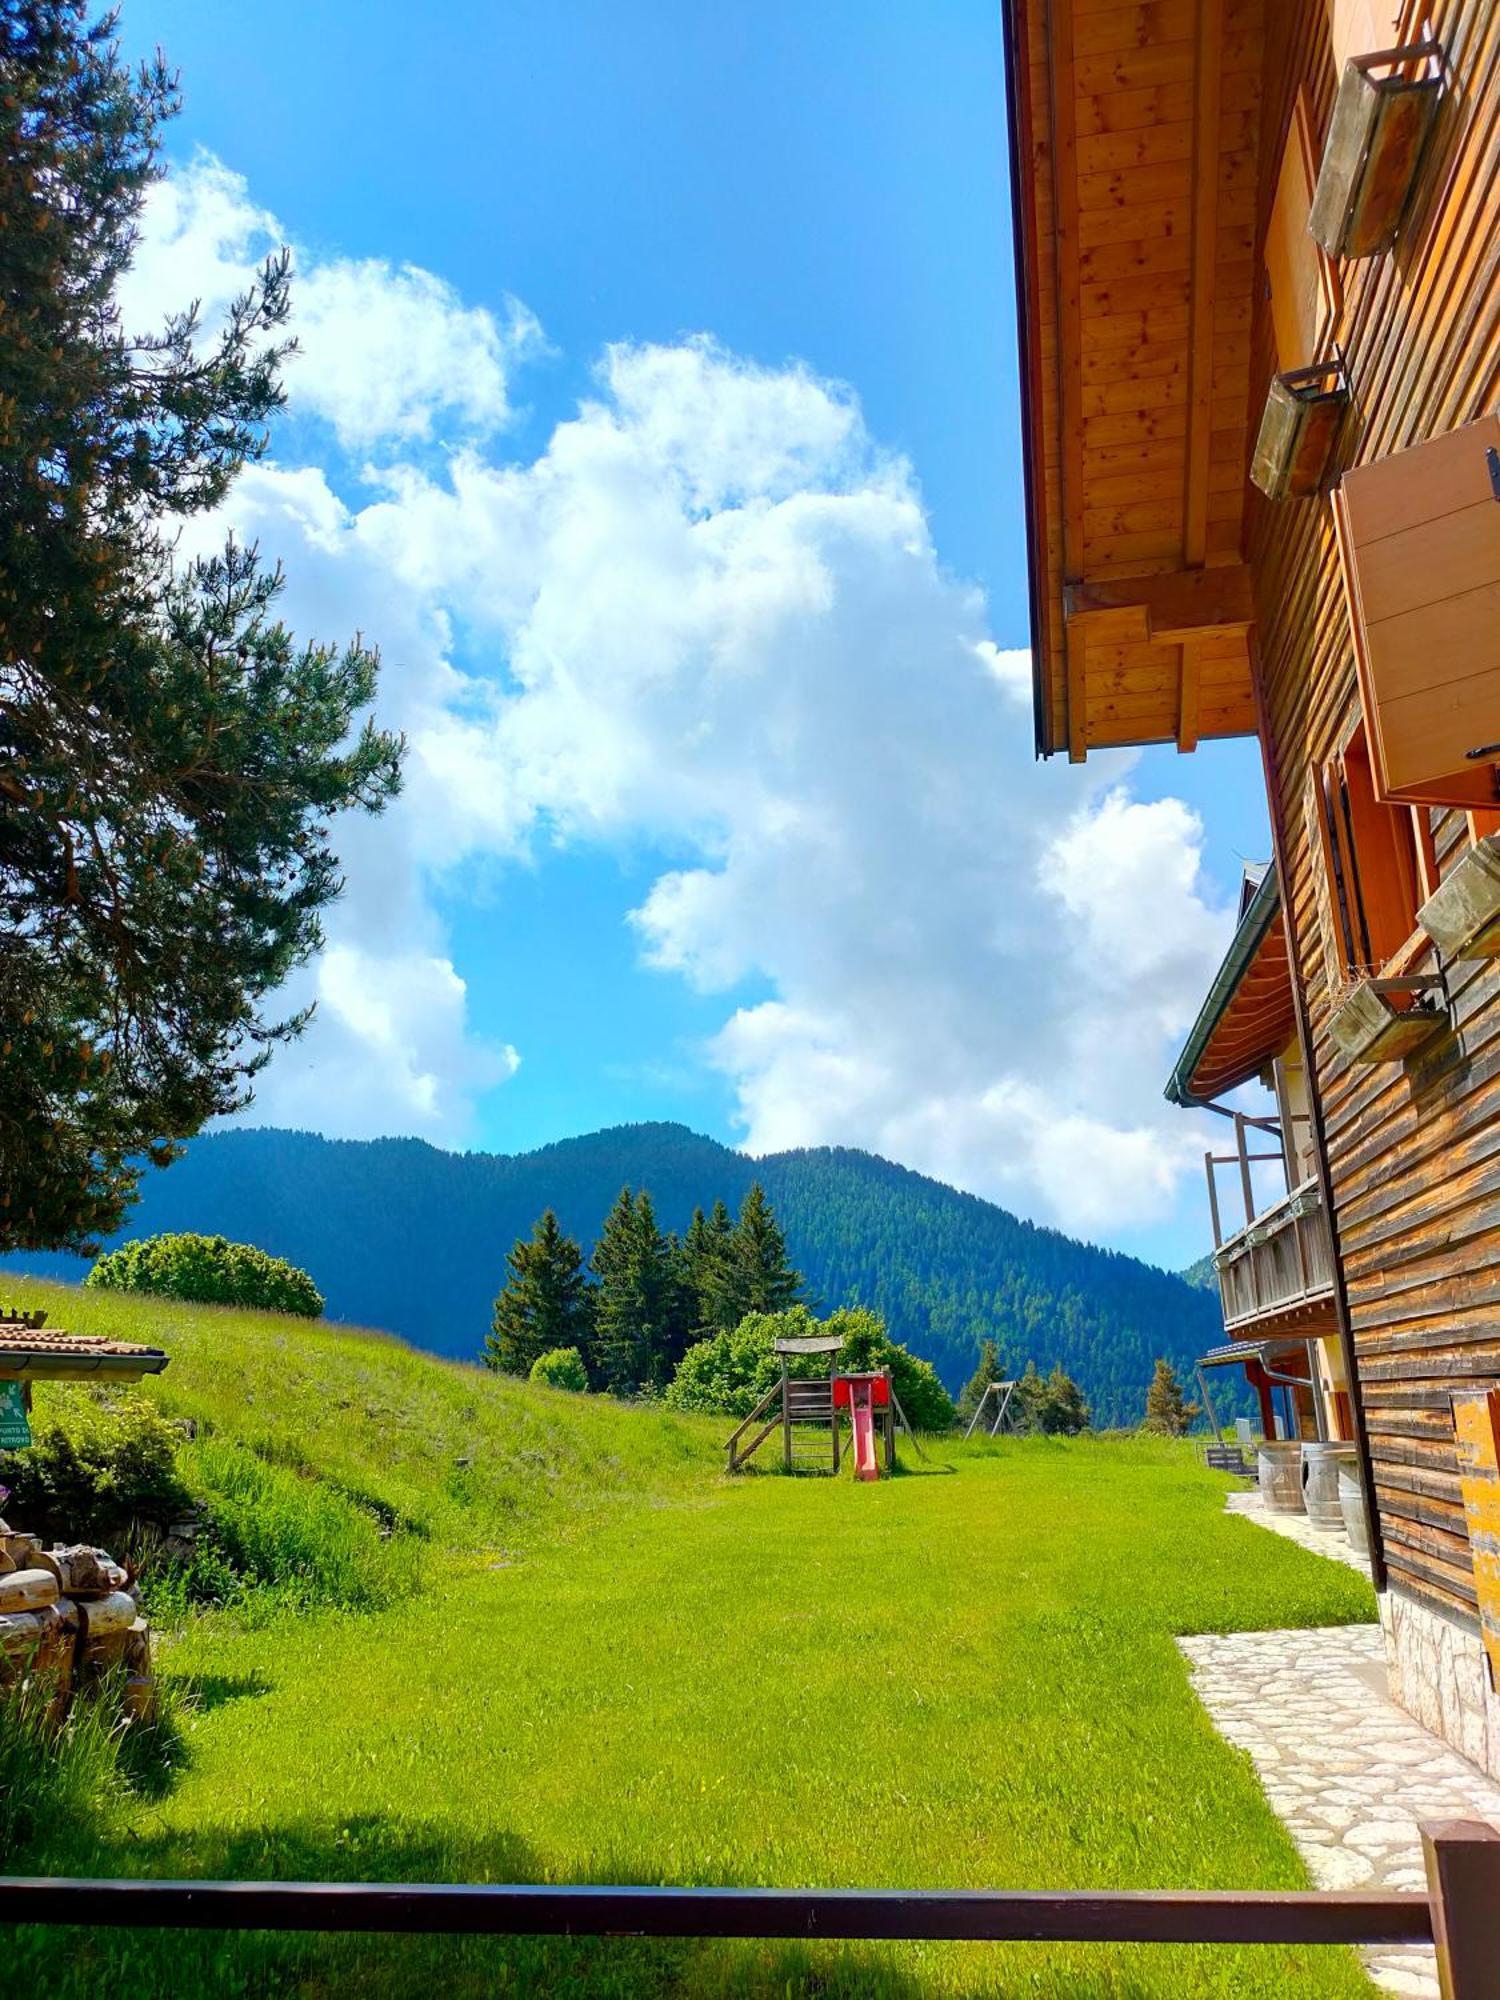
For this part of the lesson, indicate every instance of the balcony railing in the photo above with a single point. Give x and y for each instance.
(1278, 1269)
(1281, 1264)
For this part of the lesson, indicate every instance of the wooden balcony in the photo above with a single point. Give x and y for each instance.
(1276, 1275)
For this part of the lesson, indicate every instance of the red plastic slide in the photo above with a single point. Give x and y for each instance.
(862, 1396)
(862, 1421)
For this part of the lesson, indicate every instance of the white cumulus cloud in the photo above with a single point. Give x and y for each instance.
(708, 620)
(388, 354)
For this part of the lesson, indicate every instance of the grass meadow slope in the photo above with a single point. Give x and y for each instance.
(580, 1653)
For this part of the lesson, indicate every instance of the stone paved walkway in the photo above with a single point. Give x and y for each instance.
(1349, 1772)
(1297, 1528)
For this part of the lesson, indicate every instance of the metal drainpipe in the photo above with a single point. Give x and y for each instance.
(1315, 1113)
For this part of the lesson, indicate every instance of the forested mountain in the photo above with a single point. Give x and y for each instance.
(398, 1234)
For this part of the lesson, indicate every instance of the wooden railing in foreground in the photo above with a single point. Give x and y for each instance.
(1460, 1914)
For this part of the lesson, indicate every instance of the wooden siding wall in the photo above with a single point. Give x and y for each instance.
(1413, 1151)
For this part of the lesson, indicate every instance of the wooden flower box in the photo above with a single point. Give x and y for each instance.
(1463, 917)
(1304, 409)
(1376, 138)
(1385, 1020)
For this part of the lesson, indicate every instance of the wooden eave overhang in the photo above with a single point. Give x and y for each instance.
(1133, 135)
(33, 1355)
(1249, 1015)
(1284, 1354)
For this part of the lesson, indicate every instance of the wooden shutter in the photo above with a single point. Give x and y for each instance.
(1304, 291)
(1333, 958)
(1419, 535)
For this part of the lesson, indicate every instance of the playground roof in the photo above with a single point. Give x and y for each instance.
(821, 1343)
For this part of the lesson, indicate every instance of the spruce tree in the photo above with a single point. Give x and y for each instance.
(1064, 1410)
(171, 759)
(1031, 1399)
(1167, 1411)
(612, 1349)
(722, 1297)
(983, 1378)
(658, 1290)
(765, 1272)
(545, 1303)
(694, 1257)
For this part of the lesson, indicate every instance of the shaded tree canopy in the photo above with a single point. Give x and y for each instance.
(171, 758)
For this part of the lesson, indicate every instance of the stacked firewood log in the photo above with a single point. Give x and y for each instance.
(71, 1615)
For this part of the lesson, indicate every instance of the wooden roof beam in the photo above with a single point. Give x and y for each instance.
(1208, 63)
(1187, 696)
(1169, 606)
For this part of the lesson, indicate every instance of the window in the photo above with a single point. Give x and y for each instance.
(1299, 277)
(1372, 865)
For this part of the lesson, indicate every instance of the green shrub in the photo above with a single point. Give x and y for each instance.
(276, 1527)
(728, 1375)
(560, 1368)
(208, 1270)
(102, 1463)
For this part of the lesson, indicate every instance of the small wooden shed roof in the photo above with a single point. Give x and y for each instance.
(30, 1354)
(819, 1343)
(1134, 134)
(1249, 1015)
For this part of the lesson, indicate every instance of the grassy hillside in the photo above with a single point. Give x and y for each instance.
(609, 1662)
(401, 1235)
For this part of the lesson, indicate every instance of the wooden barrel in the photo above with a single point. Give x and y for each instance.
(1320, 1484)
(1279, 1470)
(1352, 1505)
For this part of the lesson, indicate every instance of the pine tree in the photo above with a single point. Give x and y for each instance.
(171, 760)
(1064, 1410)
(659, 1315)
(983, 1378)
(694, 1263)
(712, 1291)
(1167, 1412)
(1054, 1404)
(770, 1283)
(1031, 1399)
(545, 1303)
(612, 1352)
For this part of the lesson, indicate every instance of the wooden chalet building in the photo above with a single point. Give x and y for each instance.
(1257, 254)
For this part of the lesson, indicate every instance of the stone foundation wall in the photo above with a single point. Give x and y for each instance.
(1439, 1674)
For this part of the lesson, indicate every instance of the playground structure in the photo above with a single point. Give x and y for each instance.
(809, 1411)
(1007, 1413)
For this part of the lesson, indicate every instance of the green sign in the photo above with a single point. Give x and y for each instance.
(15, 1431)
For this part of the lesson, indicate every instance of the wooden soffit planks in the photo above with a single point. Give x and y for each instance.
(1136, 130)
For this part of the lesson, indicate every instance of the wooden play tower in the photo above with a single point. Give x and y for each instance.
(809, 1411)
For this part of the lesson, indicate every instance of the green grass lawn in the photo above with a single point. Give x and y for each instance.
(602, 1661)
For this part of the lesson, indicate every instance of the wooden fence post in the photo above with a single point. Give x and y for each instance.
(1463, 1882)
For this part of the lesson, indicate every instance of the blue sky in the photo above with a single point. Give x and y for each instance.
(812, 186)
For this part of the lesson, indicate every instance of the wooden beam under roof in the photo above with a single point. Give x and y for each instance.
(1208, 58)
(1170, 605)
(1189, 684)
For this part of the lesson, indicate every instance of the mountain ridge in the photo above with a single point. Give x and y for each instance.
(406, 1235)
